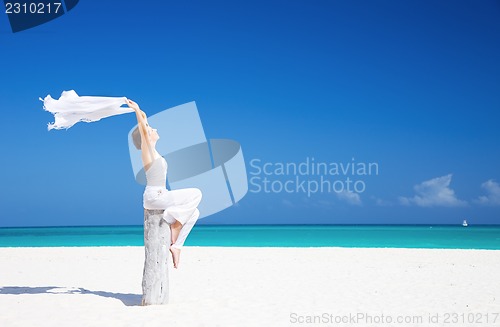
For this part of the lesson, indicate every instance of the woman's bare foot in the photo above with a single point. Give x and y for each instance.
(176, 253)
(175, 229)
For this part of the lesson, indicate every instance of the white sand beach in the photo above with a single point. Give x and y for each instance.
(238, 286)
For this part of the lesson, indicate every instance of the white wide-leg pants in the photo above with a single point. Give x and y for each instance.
(180, 205)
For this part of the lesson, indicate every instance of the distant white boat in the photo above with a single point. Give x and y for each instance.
(465, 223)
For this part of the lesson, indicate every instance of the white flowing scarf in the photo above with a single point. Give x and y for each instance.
(72, 108)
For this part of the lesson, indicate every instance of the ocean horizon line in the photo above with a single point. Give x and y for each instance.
(255, 225)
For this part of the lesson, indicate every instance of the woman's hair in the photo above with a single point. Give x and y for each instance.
(136, 137)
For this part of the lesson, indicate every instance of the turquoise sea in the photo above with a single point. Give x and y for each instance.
(398, 236)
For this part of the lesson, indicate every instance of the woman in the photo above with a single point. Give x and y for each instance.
(180, 206)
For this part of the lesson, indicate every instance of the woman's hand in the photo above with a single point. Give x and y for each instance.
(133, 105)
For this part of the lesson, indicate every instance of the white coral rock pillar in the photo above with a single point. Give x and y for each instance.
(157, 237)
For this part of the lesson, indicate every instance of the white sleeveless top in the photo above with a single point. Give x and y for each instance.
(156, 175)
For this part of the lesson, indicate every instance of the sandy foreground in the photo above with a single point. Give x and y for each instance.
(238, 286)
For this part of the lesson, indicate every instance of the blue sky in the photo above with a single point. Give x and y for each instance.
(411, 85)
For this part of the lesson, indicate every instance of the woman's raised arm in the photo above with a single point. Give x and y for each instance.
(147, 149)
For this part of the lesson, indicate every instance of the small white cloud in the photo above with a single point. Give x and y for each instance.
(492, 189)
(381, 202)
(404, 201)
(350, 197)
(434, 192)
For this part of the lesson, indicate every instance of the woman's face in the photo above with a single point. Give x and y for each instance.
(153, 134)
